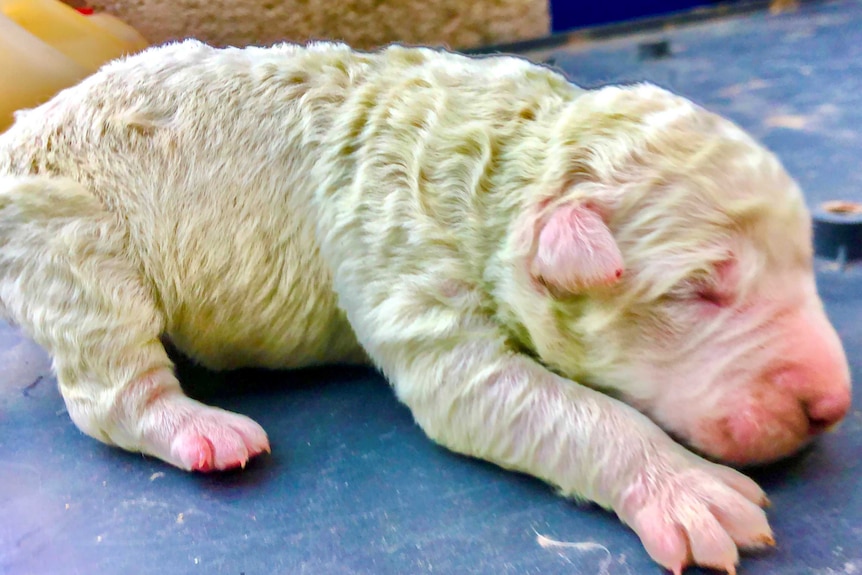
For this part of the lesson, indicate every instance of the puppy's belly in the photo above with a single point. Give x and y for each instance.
(282, 337)
(277, 314)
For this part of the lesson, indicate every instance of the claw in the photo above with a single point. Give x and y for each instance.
(211, 439)
(767, 540)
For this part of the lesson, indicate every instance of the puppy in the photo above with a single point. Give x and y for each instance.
(552, 279)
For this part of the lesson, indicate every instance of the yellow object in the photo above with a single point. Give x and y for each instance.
(64, 28)
(46, 45)
(133, 40)
(30, 70)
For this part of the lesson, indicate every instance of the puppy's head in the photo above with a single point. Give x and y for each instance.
(667, 260)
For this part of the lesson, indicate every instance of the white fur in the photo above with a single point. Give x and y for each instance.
(294, 206)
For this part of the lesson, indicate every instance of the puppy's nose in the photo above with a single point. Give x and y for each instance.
(825, 411)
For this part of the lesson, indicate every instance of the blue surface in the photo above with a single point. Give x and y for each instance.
(768, 73)
(353, 486)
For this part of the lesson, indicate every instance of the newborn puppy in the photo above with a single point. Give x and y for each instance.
(503, 245)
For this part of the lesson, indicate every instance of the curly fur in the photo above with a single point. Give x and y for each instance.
(297, 205)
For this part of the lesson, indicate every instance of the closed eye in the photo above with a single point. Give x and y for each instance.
(717, 290)
(715, 297)
(703, 297)
(714, 288)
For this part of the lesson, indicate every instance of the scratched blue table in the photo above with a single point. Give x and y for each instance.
(353, 486)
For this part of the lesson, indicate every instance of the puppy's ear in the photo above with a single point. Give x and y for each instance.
(576, 251)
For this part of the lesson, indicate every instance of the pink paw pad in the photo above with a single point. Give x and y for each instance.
(699, 514)
(211, 444)
(194, 451)
(197, 437)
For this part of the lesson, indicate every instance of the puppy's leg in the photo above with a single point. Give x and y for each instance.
(470, 392)
(68, 278)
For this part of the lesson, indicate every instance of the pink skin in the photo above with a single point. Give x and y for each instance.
(217, 440)
(789, 384)
(185, 432)
(576, 250)
(728, 526)
(690, 511)
(805, 393)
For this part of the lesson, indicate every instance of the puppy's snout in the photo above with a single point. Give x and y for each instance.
(820, 381)
(805, 391)
(827, 410)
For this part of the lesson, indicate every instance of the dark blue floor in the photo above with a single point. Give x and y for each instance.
(567, 15)
(354, 487)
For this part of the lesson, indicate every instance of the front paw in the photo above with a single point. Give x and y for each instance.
(688, 511)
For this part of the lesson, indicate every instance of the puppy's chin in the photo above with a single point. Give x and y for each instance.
(741, 429)
(748, 435)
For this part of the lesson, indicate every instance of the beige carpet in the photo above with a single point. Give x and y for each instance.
(361, 23)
